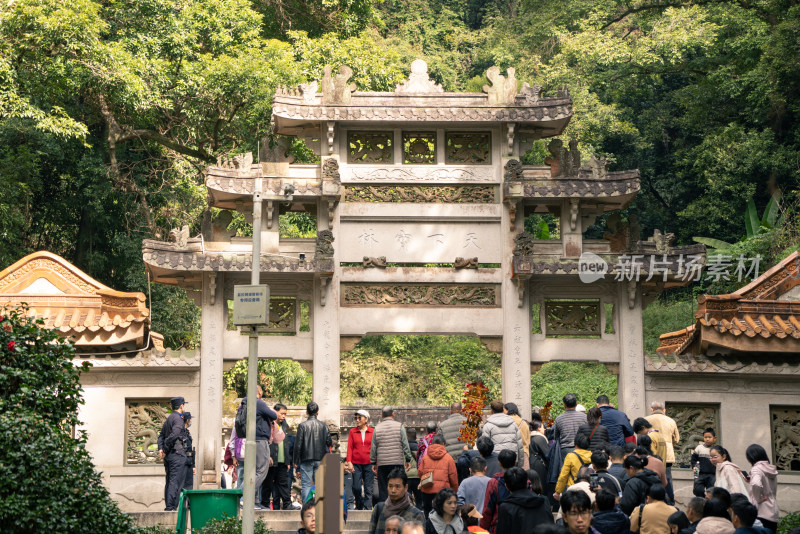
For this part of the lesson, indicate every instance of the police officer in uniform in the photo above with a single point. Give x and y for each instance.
(186, 437)
(172, 449)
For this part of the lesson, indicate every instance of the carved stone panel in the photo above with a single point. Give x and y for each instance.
(454, 194)
(692, 420)
(418, 242)
(419, 147)
(423, 174)
(282, 315)
(369, 147)
(572, 318)
(470, 148)
(456, 295)
(143, 421)
(785, 430)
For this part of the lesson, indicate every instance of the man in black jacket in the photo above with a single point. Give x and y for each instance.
(186, 437)
(313, 441)
(173, 451)
(522, 510)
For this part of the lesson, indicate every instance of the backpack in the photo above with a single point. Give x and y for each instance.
(583, 464)
(240, 423)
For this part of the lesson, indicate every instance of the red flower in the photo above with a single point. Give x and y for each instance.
(11, 345)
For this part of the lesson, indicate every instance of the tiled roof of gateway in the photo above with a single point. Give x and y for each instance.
(759, 317)
(68, 300)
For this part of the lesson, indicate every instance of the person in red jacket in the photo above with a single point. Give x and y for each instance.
(359, 442)
(444, 472)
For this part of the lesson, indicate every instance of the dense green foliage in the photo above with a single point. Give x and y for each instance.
(410, 369)
(232, 525)
(788, 523)
(40, 394)
(283, 380)
(586, 380)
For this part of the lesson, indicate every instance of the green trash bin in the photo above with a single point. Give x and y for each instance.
(205, 505)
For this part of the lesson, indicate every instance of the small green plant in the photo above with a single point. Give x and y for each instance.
(231, 525)
(788, 522)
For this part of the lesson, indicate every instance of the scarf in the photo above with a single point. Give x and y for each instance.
(391, 508)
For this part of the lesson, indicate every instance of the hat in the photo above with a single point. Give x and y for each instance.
(580, 408)
(363, 413)
(176, 402)
(187, 416)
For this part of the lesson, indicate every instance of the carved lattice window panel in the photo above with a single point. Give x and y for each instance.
(445, 194)
(143, 421)
(370, 147)
(469, 148)
(692, 419)
(282, 315)
(419, 147)
(572, 317)
(785, 432)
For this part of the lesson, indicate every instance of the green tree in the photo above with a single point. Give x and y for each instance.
(587, 380)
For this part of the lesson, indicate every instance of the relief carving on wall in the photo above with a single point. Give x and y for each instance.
(420, 174)
(692, 420)
(324, 244)
(572, 318)
(470, 148)
(369, 147)
(785, 427)
(455, 194)
(142, 425)
(523, 244)
(513, 170)
(461, 295)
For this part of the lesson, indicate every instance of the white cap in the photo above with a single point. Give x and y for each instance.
(363, 413)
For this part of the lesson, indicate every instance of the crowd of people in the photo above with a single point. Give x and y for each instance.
(588, 472)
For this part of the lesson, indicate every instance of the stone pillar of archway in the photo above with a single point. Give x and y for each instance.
(208, 412)
(631, 392)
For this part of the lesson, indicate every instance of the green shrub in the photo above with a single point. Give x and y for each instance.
(231, 525)
(51, 482)
(662, 317)
(586, 380)
(788, 522)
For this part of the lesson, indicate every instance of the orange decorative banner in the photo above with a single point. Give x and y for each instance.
(473, 403)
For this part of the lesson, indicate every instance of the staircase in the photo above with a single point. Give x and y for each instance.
(288, 521)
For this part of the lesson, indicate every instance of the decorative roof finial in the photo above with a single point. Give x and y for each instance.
(418, 81)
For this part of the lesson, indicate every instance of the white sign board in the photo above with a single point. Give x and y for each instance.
(251, 305)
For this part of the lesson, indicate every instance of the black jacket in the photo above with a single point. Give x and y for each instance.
(492, 463)
(537, 452)
(522, 511)
(288, 446)
(264, 418)
(599, 438)
(313, 440)
(691, 529)
(186, 438)
(169, 438)
(611, 522)
(635, 492)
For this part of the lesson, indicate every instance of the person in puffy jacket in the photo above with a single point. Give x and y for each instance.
(573, 461)
(608, 518)
(441, 464)
(639, 481)
(503, 431)
(522, 510)
(763, 486)
(715, 519)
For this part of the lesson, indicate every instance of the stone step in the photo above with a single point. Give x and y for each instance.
(280, 521)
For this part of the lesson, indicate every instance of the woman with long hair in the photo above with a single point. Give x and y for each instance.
(594, 430)
(729, 475)
(763, 486)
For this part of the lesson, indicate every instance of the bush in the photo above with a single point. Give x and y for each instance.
(50, 481)
(231, 525)
(788, 522)
(586, 380)
(661, 317)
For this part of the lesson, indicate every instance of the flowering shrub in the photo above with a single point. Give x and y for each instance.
(51, 484)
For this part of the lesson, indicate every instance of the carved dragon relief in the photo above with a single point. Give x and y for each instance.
(459, 295)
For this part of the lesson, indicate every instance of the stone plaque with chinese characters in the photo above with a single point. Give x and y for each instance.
(420, 242)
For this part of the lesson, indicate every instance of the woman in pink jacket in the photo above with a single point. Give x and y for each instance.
(763, 486)
(729, 475)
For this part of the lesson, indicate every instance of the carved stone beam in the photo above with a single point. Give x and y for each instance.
(510, 137)
(574, 211)
(330, 128)
(323, 289)
(270, 211)
(521, 281)
(212, 287)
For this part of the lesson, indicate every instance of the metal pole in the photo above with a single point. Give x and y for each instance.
(249, 486)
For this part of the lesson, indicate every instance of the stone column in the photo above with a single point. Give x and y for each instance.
(631, 350)
(516, 357)
(208, 413)
(571, 228)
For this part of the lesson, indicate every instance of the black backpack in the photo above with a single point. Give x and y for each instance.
(240, 423)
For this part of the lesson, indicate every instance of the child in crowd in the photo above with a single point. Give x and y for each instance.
(705, 471)
(308, 521)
